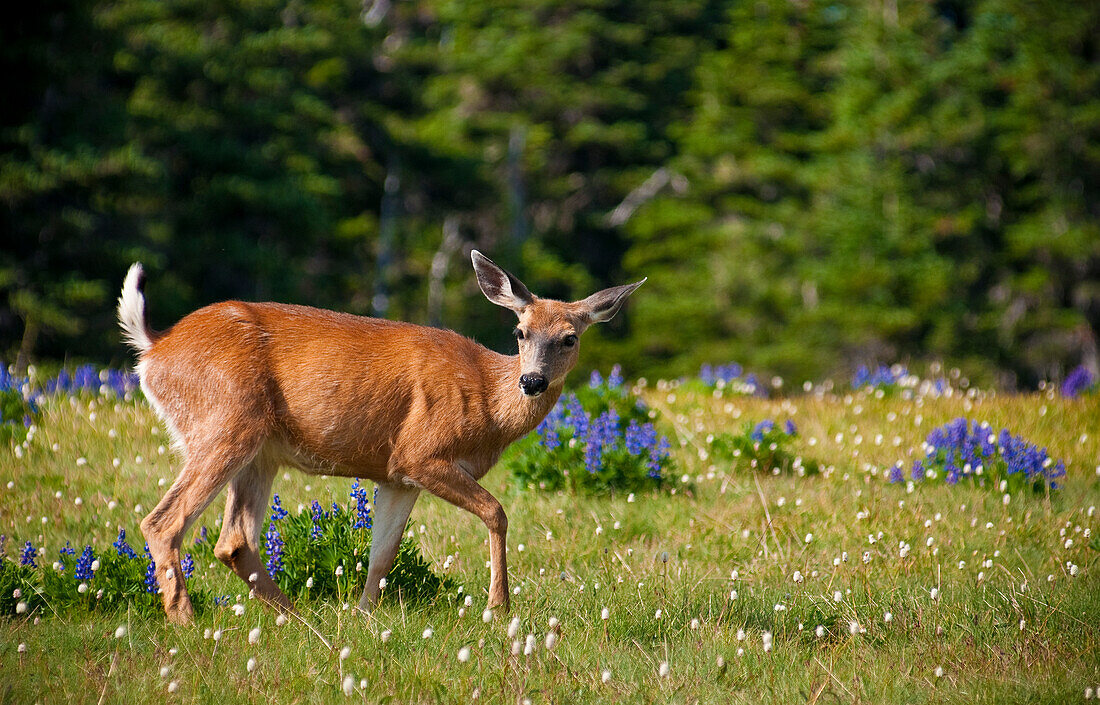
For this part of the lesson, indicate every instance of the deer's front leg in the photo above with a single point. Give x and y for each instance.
(392, 506)
(449, 482)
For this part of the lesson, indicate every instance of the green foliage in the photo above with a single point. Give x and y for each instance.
(317, 549)
(14, 410)
(312, 550)
(117, 583)
(763, 447)
(808, 186)
(969, 452)
(598, 440)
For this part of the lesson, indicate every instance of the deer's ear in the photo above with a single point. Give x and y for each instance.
(499, 286)
(603, 305)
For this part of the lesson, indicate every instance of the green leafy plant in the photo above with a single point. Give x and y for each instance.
(322, 553)
(597, 439)
(319, 554)
(763, 447)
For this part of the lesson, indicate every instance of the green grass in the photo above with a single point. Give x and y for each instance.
(582, 554)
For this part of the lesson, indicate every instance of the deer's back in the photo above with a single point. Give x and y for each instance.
(332, 392)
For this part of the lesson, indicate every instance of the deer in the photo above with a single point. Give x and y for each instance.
(245, 389)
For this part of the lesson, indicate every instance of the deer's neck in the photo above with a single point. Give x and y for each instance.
(513, 412)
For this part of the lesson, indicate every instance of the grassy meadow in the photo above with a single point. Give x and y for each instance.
(740, 586)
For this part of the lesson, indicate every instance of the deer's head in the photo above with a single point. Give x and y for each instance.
(548, 331)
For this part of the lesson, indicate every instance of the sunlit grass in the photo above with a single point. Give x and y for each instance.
(1015, 617)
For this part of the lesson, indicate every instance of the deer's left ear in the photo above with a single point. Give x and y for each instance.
(603, 305)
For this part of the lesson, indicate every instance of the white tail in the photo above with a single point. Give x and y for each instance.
(248, 387)
(131, 310)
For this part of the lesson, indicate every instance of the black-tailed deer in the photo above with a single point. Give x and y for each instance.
(245, 388)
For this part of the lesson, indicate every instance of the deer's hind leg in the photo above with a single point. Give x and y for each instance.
(207, 469)
(238, 544)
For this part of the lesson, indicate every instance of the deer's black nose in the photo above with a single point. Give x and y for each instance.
(532, 384)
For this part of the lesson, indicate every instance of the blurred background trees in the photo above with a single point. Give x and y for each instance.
(809, 185)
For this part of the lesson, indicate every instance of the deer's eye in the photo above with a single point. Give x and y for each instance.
(518, 333)
(569, 340)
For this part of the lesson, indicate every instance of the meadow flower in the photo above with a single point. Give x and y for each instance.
(187, 563)
(464, 654)
(173, 687)
(605, 677)
(250, 666)
(84, 565)
(273, 542)
(28, 555)
(362, 509)
(663, 669)
(427, 633)
(348, 685)
(122, 547)
(551, 640)
(150, 573)
(254, 636)
(385, 635)
(1079, 381)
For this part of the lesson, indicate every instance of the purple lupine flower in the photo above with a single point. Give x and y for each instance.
(595, 380)
(658, 453)
(188, 566)
(1077, 382)
(150, 572)
(84, 565)
(124, 549)
(729, 372)
(760, 429)
(317, 513)
(548, 427)
(362, 509)
(896, 475)
(603, 434)
(790, 428)
(639, 438)
(960, 443)
(273, 542)
(67, 550)
(615, 379)
(577, 417)
(28, 556)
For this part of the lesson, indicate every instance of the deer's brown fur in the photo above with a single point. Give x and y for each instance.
(245, 388)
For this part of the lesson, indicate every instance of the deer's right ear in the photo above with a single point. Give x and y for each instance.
(499, 286)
